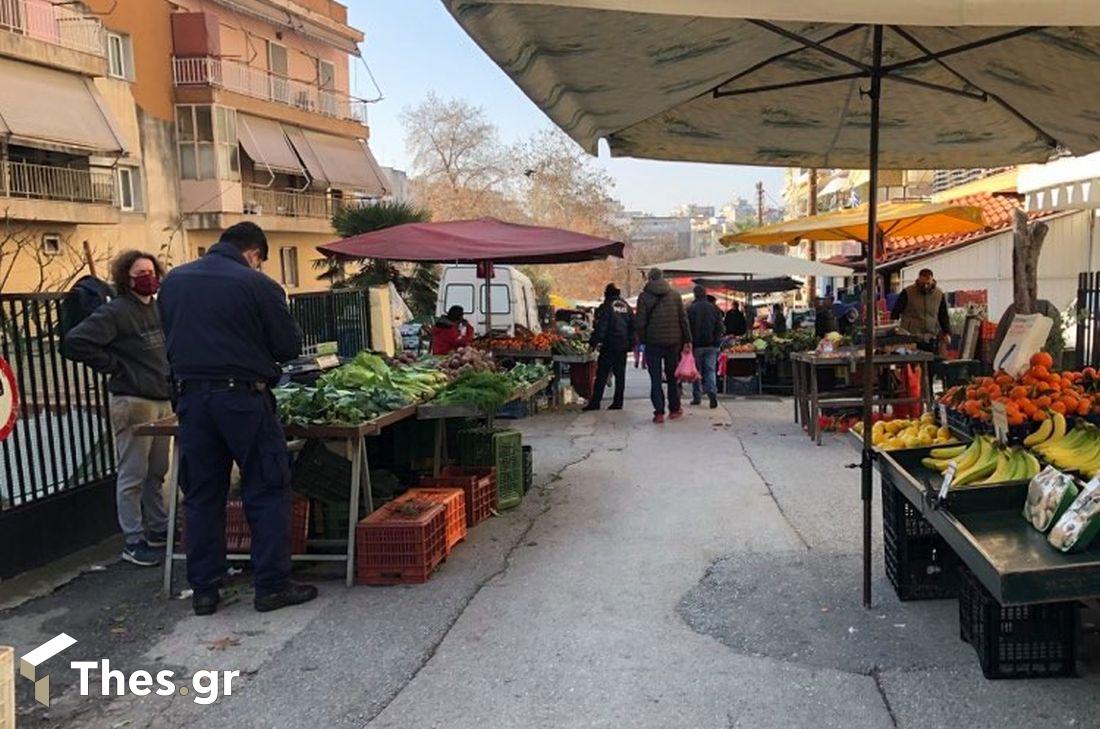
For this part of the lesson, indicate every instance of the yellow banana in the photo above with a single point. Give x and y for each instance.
(1046, 428)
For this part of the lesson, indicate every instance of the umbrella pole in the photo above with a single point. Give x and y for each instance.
(866, 474)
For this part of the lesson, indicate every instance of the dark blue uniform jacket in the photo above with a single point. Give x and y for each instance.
(224, 320)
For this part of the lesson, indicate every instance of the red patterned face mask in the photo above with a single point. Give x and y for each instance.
(146, 284)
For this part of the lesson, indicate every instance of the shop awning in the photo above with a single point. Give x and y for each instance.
(267, 145)
(751, 285)
(475, 241)
(749, 263)
(50, 109)
(1065, 184)
(339, 161)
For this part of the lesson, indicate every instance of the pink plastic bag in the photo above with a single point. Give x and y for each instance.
(686, 370)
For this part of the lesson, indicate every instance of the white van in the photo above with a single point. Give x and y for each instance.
(512, 295)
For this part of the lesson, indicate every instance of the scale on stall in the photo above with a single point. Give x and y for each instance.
(314, 362)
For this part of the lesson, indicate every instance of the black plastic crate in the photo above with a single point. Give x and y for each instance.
(921, 568)
(1018, 641)
(321, 474)
(900, 518)
(528, 468)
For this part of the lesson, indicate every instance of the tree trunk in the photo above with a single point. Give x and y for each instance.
(1027, 243)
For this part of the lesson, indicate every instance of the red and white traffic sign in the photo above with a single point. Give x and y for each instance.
(9, 399)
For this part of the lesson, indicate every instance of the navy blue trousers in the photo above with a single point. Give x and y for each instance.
(217, 429)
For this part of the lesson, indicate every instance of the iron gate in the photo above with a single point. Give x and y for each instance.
(341, 316)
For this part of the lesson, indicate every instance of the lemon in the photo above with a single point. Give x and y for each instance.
(925, 439)
(944, 432)
(878, 439)
(927, 419)
(912, 441)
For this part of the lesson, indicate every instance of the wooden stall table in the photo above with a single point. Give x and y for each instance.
(442, 413)
(809, 398)
(354, 439)
(742, 363)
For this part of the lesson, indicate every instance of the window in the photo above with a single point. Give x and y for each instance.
(120, 56)
(288, 261)
(207, 138)
(278, 66)
(326, 81)
(502, 299)
(129, 189)
(459, 295)
(51, 244)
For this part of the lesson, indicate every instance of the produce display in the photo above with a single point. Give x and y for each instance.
(775, 347)
(1078, 450)
(902, 433)
(485, 390)
(570, 346)
(542, 342)
(525, 374)
(465, 359)
(1078, 526)
(984, 461)
(1048, 496)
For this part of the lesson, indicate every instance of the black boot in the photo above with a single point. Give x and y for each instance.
(292, 594)
(590, 407)
(713, 401)
(205, 603)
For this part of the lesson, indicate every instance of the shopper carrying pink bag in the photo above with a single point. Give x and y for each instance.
(686, 371)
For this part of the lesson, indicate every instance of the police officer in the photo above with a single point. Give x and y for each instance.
(227, 326)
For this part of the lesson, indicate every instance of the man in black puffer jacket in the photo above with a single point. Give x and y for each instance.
(706, 335)
(663, 329)
(614, 335)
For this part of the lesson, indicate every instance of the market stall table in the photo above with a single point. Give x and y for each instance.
(742, 362)
(809, 398)
(353, 436)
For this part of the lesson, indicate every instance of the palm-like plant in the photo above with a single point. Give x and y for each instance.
(418, 286)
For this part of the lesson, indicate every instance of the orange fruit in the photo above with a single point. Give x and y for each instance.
(1039, 416)
(1058, 406)
(1042, 359)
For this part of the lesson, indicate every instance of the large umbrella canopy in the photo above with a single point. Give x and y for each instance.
(750, 263)
(815, 83)
(475, 241)
(713, 80)
(894, 219)
(1067, 184)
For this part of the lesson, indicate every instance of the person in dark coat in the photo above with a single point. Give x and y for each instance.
(707, 329)
(779, 319)
(227, 327)
(824, 317)
(664, 330)
(451, 332)
(613, 334)
(736, 326)
(123, 339)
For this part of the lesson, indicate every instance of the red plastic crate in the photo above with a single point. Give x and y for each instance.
(394, 548)
(479, 485)
(238, 539)
(454, 499)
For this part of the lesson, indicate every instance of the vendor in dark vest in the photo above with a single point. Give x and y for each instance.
(921, 309)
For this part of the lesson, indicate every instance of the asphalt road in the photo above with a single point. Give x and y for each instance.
(701, 574)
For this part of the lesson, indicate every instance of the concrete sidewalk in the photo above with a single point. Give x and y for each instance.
(703, 574)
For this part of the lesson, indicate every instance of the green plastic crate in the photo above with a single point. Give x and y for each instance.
(499, 448)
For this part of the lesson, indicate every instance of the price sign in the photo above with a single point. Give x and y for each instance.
(943, 414)
(9, 399)
(328, 361)
(948, 477)
(1000, 422)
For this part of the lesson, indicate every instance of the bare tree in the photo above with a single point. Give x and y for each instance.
(22, 251)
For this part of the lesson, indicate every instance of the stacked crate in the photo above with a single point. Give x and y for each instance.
(501, 449)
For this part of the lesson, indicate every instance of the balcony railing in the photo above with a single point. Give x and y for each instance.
(260, 84)
(45, 182)
(55, 24)
(287, 203)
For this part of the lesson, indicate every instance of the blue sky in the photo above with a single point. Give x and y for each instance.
(414, 46)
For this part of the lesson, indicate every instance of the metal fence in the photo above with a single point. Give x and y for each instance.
(1087, 353)
(334, 316)
(50, 182)
(53, 23)
(62, 439)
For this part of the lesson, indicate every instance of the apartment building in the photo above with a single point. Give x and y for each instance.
(159, 123)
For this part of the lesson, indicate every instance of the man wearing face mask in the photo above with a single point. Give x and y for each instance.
(922, 310)
(227, 327)
(123, 339)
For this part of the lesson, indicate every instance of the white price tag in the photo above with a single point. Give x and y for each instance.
(328, 361)
(943, 414)
(1000, 422)
(948, 477)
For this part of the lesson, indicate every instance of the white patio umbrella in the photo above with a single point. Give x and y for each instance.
(749, 264)
(815, 83)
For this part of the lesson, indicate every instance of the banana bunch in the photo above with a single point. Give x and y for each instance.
(1051, 429)
(983, 462)
(1078, 450)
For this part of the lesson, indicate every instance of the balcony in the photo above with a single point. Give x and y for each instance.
(57, 194)
(257, 83)
(287, 203)
(57, 25)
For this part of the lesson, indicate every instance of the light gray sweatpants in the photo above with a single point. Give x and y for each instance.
(142, 463)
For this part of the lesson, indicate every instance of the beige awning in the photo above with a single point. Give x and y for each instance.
(50, 109)
(749, 263)
(341, 161)
(267, 145)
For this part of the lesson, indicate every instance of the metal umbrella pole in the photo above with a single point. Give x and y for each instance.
(866, 473)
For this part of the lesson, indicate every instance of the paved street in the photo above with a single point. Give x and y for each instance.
(700, 574)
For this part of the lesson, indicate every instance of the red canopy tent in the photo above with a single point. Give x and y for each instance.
(483, 241)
